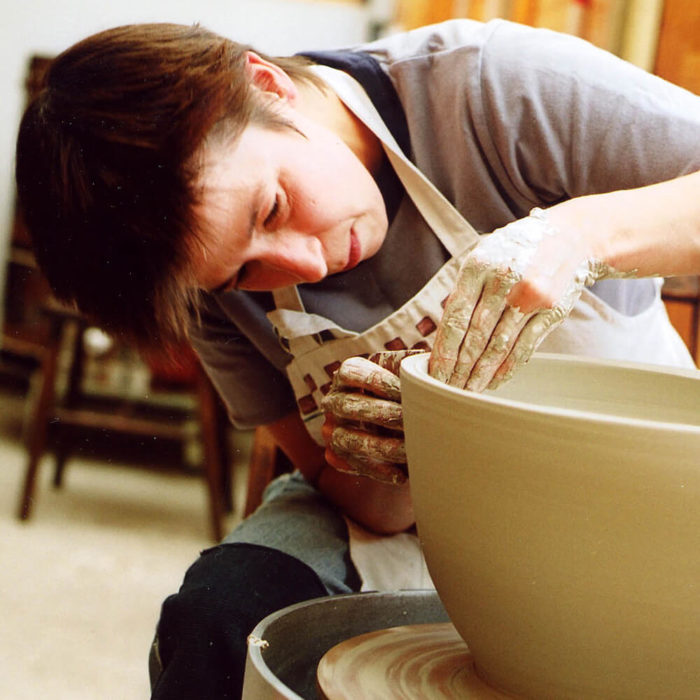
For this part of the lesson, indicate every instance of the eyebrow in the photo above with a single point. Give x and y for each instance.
(252, 218)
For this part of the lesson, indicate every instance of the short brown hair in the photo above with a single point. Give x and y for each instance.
(105, 169)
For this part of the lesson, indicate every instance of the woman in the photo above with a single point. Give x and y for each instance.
(310, 214)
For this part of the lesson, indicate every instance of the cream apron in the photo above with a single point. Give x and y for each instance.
(395, 562)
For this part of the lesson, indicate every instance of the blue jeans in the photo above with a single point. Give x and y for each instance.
(293, 548)
(295, 518)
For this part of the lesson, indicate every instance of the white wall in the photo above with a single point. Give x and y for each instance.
(49, 26)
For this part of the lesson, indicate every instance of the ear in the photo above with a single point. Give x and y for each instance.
(268, 77)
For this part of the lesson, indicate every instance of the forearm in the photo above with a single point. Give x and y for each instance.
(382, 508)
(649, 231)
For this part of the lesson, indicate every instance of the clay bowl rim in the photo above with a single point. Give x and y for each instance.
(415, 367)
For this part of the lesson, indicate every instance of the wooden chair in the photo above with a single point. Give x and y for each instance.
(266, 462)
(75, 409)
(37, 328)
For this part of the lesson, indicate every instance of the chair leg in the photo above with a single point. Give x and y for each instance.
(60, 467)
(263, 467)
(75, 375)
(223, 447)
(213, 464)
(38, 425)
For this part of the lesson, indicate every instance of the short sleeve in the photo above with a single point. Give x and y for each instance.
(254, 388)
(569, 119)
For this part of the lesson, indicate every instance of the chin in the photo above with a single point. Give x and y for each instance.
(375, 241)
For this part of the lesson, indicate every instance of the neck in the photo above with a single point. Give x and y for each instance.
(328, 108)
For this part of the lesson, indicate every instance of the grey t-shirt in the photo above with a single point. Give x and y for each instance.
(502, 118)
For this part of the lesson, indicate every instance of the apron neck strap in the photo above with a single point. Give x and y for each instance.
(288, 298)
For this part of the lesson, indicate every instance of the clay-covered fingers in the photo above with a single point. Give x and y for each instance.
(363, 430)
(346, 439)
(358, 452)
(456, 320)
(504, 338)
(482, 345)
(478, 327)
(392, 359)
(363, 408)
(537, 327)
(365, 394)
(362, 373)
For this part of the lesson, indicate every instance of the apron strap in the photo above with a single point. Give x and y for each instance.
(299, 329)
(288, 298)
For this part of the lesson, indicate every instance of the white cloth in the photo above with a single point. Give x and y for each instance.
(595, 329)
(393, 563)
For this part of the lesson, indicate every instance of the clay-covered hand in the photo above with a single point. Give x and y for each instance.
(363, 429)
(514, 288)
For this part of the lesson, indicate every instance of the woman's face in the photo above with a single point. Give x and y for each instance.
(282, 207)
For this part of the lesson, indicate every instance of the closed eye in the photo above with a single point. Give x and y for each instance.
(273, 213)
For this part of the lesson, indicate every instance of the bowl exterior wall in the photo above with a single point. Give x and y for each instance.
(566, 549)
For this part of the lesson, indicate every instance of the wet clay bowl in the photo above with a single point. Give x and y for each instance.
(560, 518)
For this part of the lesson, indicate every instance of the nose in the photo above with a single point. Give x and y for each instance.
(291, 257)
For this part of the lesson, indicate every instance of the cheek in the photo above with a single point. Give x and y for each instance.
(340, 174)
(214, 258)
(208, 272)
(335, 186)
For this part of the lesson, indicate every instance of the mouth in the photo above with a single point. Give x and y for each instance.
(355, 253)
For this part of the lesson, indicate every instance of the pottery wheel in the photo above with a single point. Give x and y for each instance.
(413, 662)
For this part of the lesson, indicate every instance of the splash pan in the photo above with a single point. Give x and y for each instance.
(560, 517)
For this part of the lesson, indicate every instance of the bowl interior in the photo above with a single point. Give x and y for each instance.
(602, 389)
